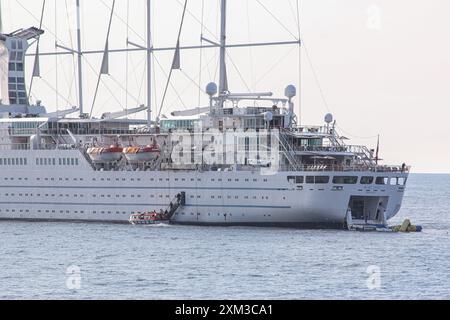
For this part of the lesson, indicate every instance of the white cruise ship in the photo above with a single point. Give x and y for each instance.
(243, 160)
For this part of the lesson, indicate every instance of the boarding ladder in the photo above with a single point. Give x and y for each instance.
(177, 202)
(288, 151)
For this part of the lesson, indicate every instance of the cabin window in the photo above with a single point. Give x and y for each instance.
(382, 181)
(317, 179)
(299, 179)
(322, 180)
(345, 180)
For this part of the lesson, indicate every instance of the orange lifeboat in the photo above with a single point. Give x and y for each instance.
(142, 154)
(105, 155)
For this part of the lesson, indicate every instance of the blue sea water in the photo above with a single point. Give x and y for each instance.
(107, 261)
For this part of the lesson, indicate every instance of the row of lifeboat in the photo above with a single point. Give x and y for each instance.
(132, 154)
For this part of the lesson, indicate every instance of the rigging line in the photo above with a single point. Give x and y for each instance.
(107, 101)
(50, 86)
(192, 80)
(56, 58)
(37, 19)
(250, 49)
(74, 78)
(300, 82)
(50, 70)
(67, 82)
(113, 79)
(239, 73)
(189, 86)
(171, 85)
(201, 54)
(294, 12)
(127, 57)
(155, 88)
(172, 68)
(211, 60)
(105, 85)
(36, 58)
(155, 91)
(123, 21)
(274, 65)
(355, 136)
(141, 85)
(278, 20)
(106, 48)
(56, 67)
(212, 34)
(316, 77)
(135, 69)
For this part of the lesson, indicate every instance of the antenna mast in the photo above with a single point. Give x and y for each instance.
(223, 82)
(1, 18)
(149, 64)
(80, 56)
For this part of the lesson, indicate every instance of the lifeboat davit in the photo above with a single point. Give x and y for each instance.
(105, 155)
(142, 154)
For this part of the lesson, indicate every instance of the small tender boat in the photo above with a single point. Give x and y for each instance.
(142, 154)
(102, 155)
(406, 227)
(148, 218)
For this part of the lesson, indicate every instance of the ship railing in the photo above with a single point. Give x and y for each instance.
(311, 129)
(321, 149)
(359, 150)
(341, 168)
(26, 146)
(288, 151)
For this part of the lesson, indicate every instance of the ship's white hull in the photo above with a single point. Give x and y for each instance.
(61, 193)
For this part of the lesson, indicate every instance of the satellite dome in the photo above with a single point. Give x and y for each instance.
(329, 118)
(211, 89)
(290, 91)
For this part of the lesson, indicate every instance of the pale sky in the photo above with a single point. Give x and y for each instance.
(383, 66)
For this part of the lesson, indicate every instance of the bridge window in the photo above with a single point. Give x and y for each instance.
(297, 179)
(367, 180)
(345, 180)
(382, 181)
(317, 179)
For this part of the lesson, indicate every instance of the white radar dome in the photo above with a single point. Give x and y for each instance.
(290, 91)
(329, 118)
(211, 89)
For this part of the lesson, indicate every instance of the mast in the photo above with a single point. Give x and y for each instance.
(80, 56)
(1, 18)
(223, 82)
(149, 64)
